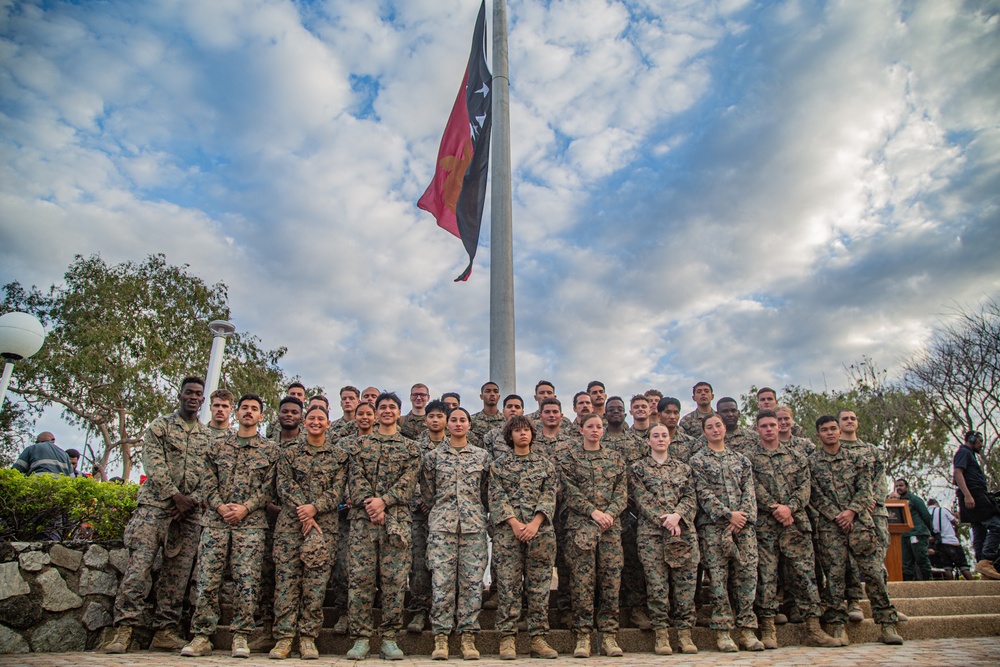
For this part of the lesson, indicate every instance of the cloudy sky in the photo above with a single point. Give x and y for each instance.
(744, 192)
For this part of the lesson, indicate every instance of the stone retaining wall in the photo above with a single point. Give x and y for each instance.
(57, 597)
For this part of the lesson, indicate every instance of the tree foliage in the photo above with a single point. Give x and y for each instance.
(119, 340)
(900, 420)
(960, 369)
(15, 430)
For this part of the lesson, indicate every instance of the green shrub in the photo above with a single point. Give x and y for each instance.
(70, 508)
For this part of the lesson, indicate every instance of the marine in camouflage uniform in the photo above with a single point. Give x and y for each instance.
(843, 481)
(386, 467)
(690, 424)
(420, 574)
(724, 482)
(453, 483)
(412, 426)
(683, 446)
(521, 488)
(593, 480)
(173, 452)
(670, 562)
(237, 471)
(316, 476)
(880, 516)
(482, 424)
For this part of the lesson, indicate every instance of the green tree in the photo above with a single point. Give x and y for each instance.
(15, 430)
(119, 340)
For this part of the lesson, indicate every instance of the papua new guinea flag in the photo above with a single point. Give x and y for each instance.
(457, 192)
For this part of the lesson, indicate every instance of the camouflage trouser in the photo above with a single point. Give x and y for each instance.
(666, 584)
(420, 575)
(144, 537)
(243, 550)
(523, 568)
(457, 564)
(372, 551)
(299, 590)
(633, 588)
(853, 589)
(792, 549)
(835, 549)
(730, 557)
(563, 598)
(340, 567)
(595, 569)
(265, 602)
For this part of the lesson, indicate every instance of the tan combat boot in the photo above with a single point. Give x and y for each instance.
(768, 634)
(748, 640)
(610, 647)
(418, 622)
(662, 646)
(167, 639)
(307, 648)
(469, 650)
(121, 641)
(815, 635)
(838, 632)
(282, 650)
(684, 639)
(440, 647)
(541, 649)
(889, 634)
(638, 618)
(582, 649)
(200, 646)
(854, 611)
(724, 642)
(240, 647)
(508, 647)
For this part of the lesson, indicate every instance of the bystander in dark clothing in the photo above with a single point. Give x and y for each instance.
(44, 457)
(976, 506)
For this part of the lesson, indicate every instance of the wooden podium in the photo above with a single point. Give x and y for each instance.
(900, 521)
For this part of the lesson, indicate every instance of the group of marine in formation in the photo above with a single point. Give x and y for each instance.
(627, 516)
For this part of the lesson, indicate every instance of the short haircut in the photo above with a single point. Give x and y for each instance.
(577, 396)
(452, 394)
(296, 385)
(436, 406)
(314, 408)
(653, 392)
(590, 415)
(487, 384)
(362, 405)
(320, 397)
(544, 383)
(843, 410)
(727, 399)
(615, 398)
(419, 385)
(638, 397)
(251, 397)
(354, 390)
(826, 419)
(460, 409)
(389, 396)
(223, 394)
(517, 422)
(702, 384)
(293, 400)
(192, 379)
(901, 479)
(595, 383)
(764, 414)
(931, 501)
(73, 453)
(514, 396)
(550, 401)
(767, 390)
(667, 401)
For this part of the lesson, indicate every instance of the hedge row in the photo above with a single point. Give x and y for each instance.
(48, 507)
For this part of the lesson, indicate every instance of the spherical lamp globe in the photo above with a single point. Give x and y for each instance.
(21, 335)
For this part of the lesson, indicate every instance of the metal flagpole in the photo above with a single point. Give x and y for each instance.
(501, 243)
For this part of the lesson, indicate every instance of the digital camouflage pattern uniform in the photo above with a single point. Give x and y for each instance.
(724, 482)
(173, 452)
(552, 448)
(493, 442)
(521, 487)
(315, 476)
(341, 428)
(412, 426)
(482, 424)
(781, 477)
(420, 574)
(880, 516)
(237, 470)
(386, 467)
(843, 481)
(593, 481)
(670, 562)
(339, 574)
(453, 483)
(690, 424)
(632, 448)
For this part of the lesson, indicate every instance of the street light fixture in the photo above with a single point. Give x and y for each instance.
(222, 330)
(21, 336)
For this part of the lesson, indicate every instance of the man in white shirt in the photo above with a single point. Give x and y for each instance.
(946, 551)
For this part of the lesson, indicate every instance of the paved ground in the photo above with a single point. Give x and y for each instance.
(976, 651)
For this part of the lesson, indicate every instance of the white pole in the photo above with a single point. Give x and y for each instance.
(502, 369)
(222, 330)
(8, 370)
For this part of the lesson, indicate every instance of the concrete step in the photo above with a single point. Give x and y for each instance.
(940, 589)
(638, 641)
(942, 606)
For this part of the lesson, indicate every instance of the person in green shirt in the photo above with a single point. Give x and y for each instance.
(916, 562)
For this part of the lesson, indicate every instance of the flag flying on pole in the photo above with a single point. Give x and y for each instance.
(457, 192)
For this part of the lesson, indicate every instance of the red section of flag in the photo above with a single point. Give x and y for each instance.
(454, 156)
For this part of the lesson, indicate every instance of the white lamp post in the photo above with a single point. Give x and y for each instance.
(222, 330)
(21, 335)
